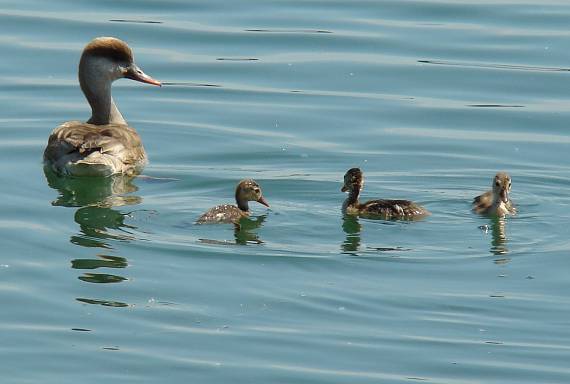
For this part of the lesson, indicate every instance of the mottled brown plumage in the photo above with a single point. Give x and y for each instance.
(496, 201)
(247, 190)
(105, 144)
(385, 209)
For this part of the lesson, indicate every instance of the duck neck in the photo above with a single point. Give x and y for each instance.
(352, 198)
(242, 202)
(97, 91)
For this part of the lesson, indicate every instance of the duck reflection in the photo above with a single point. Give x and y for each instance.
(93, 191)
(244, 233)
(352, 229)
(499, 241)
(352, 243)
(100, 226)
(497, 227)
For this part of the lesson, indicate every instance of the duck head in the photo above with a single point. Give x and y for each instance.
(249, 190)
(353, 180)
(501, 187)
(104, 60)
(111, 59)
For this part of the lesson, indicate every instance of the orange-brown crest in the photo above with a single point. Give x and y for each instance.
(109, 47)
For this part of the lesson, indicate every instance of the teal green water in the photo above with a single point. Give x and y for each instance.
(109, 280)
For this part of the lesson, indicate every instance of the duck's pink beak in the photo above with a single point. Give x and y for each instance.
(135, 73)
(263, 201)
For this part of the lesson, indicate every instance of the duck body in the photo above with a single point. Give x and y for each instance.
(105, 144)
(222, 214)
(82, 149)
(381, 208)
(247, 190)
(389, 209)
(496, 201)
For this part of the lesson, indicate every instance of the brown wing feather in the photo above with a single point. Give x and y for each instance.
(483, 202)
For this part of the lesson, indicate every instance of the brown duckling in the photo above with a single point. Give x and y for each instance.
(247, 190)
(497, 200)
(105, 144)
(387, 209)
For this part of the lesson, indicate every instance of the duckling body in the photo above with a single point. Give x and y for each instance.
(223, 214)
(105, 144)
(247, 190)
(496, 201)
(386, 208)
(383, 208)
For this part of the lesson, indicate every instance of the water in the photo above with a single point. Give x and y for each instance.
(106, 280)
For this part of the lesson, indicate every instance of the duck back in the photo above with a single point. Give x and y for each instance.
(222, 214)
(82, 149)
(392, 209)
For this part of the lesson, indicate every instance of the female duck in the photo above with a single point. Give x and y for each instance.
(247, 190)
(105, 144)
(497, 200)
(387, 209)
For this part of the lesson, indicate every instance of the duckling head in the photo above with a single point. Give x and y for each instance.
(501, 187)
(249, 190)
(353, 180)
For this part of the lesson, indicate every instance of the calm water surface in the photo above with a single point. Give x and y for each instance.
(105, 280)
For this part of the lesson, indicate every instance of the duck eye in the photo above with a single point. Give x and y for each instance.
(497, 183)
(256, 190)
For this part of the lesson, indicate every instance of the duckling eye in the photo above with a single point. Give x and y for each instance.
(497, 183)
(256, 190)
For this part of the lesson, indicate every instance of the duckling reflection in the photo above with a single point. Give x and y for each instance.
(352, 228)
(245, 232)
(352, 243)
(499, 237)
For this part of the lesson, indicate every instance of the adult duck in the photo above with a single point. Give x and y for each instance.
(105, 144)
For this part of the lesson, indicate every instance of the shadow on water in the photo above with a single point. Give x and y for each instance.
(100, 225)
(244, 233)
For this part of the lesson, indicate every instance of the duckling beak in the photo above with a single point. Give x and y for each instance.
(262, 200)
(504, 194)
(135, 73)
(344, 188)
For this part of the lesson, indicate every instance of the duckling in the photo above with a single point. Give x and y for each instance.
(388, 209)
(105, 144)
(497, 200)
(247, 190)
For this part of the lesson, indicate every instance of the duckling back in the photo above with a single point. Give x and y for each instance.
(392, 209)
(221, 214)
